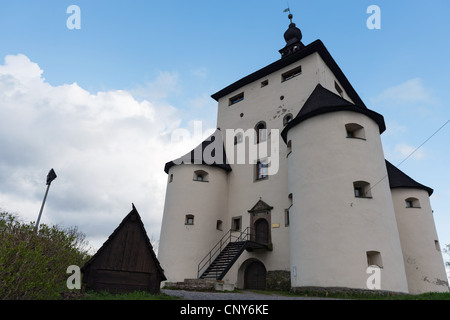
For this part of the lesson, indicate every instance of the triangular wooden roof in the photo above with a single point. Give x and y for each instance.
(135, 217)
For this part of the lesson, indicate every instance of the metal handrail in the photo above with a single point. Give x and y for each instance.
(217, 249)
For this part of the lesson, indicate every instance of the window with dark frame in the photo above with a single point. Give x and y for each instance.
(236, 223)
(362, 189)
(261, 170)
(261, 132)
(189, 220)
(291, 74)
(412, 203)
(236, 99)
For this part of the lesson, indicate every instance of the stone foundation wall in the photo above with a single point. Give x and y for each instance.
(278, 280)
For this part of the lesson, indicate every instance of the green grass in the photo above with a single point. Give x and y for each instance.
(363, 296)
(137, 295)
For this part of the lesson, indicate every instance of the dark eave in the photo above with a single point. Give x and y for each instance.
(197, 155)
(323, 101)
(316, 46)
(398, 179)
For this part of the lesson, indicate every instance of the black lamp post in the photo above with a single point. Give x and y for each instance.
(50, 177)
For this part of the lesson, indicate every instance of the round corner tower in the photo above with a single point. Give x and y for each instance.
(422, 254)
(342, 217)
(195, 205)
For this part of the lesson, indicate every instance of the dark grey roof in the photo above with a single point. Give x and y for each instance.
(316, 46)
(398, 179)
(323, 101)
(210, 152)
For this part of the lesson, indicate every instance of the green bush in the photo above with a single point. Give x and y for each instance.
(33, 264)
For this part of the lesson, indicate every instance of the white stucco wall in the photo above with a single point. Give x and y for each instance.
(332, 230)
(424, 264)
(183, 246)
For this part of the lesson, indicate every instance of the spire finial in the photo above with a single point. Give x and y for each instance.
(288, 9)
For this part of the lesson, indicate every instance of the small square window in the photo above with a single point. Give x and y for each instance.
(264, 83)
(291, 74)
(189, 220)
(362, 189)
(236, 99)
(374, 259)
(412, 203)
(236, 224)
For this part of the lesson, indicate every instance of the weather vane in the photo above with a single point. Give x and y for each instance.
(288, 9)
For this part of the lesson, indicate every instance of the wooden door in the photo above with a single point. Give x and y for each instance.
(255, 276)
(262, 231)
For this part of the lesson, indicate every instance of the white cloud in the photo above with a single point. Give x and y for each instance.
(108, 150)
(405, 151)
(166, 83)
(411, 91)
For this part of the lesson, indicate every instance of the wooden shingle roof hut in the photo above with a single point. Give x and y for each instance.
(126, 262)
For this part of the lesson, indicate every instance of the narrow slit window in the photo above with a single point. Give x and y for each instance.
(339, 89)
(436, 244)
(261, 132)
(261, 170)
(289, 148)
(291, 74)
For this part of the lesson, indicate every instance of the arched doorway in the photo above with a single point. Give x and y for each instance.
(261, 231)
(255, 276)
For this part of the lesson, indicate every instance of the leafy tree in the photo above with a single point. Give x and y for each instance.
(33, 264)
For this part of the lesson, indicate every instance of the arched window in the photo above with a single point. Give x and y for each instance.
(287, 118)
(201, 176)
(355, 131)
(362, 189)
(261, 132)
(238, 138)
(374, 259)
(412, 203)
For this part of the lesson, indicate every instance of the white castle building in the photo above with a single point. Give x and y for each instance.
(293, 189)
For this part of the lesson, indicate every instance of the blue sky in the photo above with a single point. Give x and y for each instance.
(163, 60)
